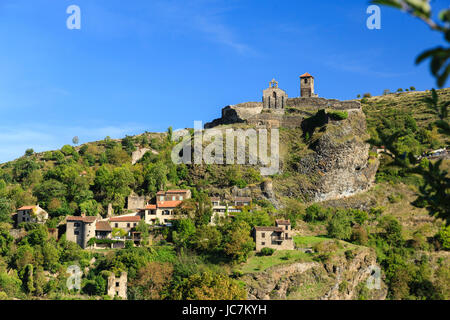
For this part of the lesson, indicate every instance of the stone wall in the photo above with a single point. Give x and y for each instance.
(253, 114)
(117, 286)
(135, 202)
(322, 103)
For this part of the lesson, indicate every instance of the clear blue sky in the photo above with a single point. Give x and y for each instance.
(145, 65)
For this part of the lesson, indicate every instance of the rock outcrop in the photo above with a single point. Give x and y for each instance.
(340, 160)
(339, 279)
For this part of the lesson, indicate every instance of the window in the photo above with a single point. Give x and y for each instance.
(263, 243)
(117, 284)
(76, 233)
(76, 225)
(173, 198)
(134, 224)
(263, 234)
(128, 225)
(180, 198)
(116, 225)
(306, 80)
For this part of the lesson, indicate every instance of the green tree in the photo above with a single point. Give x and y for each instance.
(339, 225)
(237, 241)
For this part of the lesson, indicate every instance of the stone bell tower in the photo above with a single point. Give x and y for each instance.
(307, 86)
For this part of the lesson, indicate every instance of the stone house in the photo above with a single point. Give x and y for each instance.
(278, 237)
(33, 214)
(173, 195)
(163, 211)
(222, 209)
(242, 201)
(80, 229)
(126, 223)
(103, 230)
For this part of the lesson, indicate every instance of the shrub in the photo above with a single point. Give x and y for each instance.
(267, 251)
(338, 115)
(399, 90)
(339, 226)
(412, 88)
(443, 237)
(367, 95)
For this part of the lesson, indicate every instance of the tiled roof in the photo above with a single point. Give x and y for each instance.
(83, 219)
(269, 229)
(168, 204)
(103, 226)
(150, 206)
(306, 75)
(26, 208)
(283, 222)
(177, 191)
(126, 219)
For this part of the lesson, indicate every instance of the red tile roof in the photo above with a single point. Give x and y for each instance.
(103, 226)
(169, 204)
(150, 206)
(83, 219)
(126, 219)
(306, 75)
(26, 208)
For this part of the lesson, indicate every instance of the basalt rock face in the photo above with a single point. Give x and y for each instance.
(340, 160)
(340, 278)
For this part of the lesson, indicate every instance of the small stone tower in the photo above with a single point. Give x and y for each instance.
(117, 286)
(307, 86)
(274, 97)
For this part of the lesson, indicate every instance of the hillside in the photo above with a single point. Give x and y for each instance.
(332, 185)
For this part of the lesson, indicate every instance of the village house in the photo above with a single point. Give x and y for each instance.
(34, 214)
(163, 211)
(278, 237)
(173, 195)
(222, 209)
(80, 229)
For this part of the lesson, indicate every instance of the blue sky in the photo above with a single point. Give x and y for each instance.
(145, 65)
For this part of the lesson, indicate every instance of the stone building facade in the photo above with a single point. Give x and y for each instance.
(274, 97)
(117, 286)
(80, 229)
(33, 214)
(278, 237)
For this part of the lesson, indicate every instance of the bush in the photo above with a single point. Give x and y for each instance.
(338, 115)
(367, 95)
(443, 237)
(339, 226)
(267, 251)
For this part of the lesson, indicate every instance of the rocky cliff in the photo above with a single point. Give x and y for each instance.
(343, 277)
(337, 161)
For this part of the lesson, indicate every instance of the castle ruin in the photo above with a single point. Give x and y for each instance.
(275, 108)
